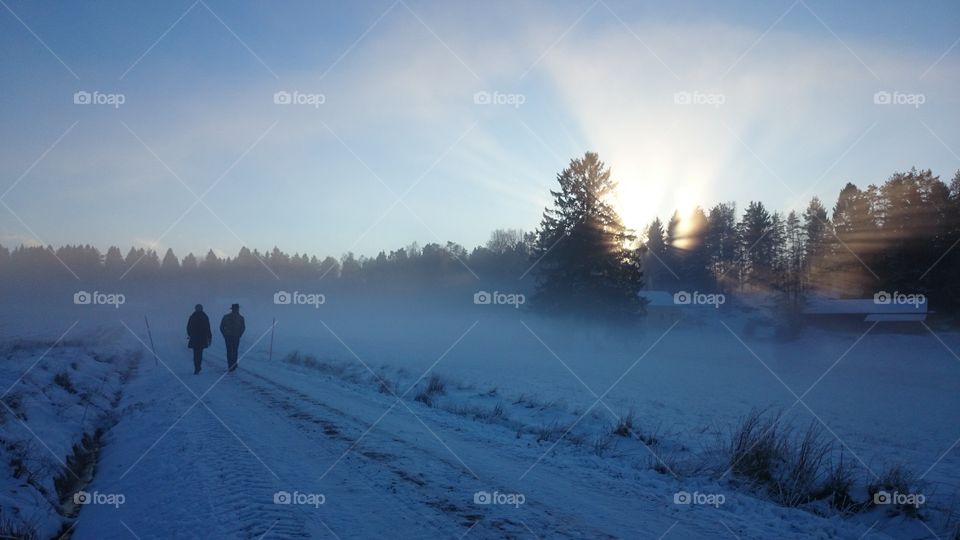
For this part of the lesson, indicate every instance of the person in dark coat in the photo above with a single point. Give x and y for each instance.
(232, 327)
(199, 334)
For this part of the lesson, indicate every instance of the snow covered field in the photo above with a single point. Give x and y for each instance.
(58, 397)
(524, 409)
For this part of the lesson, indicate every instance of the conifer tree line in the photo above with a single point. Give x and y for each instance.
(901, 235)
(505, 256)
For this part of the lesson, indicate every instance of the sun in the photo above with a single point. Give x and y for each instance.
(636, 202)
(653, 185)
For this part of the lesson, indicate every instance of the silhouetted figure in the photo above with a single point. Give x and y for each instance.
(199, 334)
(232, 327)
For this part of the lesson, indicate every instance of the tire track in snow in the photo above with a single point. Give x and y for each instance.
(397, 496)
(239, 490)
(440, 483)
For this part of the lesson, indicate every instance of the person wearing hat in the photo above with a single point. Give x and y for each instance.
(232, 327)
(199, 335)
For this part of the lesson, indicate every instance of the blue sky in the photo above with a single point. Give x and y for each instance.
(783, 108)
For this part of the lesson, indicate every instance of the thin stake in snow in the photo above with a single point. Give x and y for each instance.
(153, 349)
(272, 328)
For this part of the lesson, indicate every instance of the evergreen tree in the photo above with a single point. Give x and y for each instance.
(695, 261)
(189, 263)
(721, 242)
(654, 256)
(794, 257)
(673, 226)
(944, 271)
(329, 268)
(815, 240)
(113, 263)
(350, 269)
(778, 251)
(857, 242)
(279, 261)
(655, 240)
(586, 263)
(247, 261)
(4, 260)
(914, 223)
(81, 260)
(151, 262)
(674, 254)
(756, 245)
(132, 262)
(170, 264)
(211, 262)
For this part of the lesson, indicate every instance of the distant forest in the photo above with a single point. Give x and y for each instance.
(901, 235)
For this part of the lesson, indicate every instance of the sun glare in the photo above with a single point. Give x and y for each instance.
(649, 188)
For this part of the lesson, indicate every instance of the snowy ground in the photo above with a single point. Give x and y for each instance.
(55, 393)
(415, 474)
(324, 431)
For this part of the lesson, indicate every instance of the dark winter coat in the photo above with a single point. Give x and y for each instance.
(198, 330)
(232, 325)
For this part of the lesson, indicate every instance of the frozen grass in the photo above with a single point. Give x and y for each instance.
(625, 425)
(768, 452)
(435, 387)
(838, 486)
(896, 479)
(794, 467)
(20, 531)
(14, 404)
(63, 380)
(755, 446)
(603, 443)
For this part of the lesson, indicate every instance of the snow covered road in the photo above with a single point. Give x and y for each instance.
(272, 451)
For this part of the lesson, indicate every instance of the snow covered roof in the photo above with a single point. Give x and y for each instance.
(657, 298)
(883, 308)
(832, 306)
(897, 317)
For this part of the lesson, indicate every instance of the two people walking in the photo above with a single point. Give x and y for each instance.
(200, 337)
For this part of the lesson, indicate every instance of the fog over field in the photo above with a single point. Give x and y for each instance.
(495, 270)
